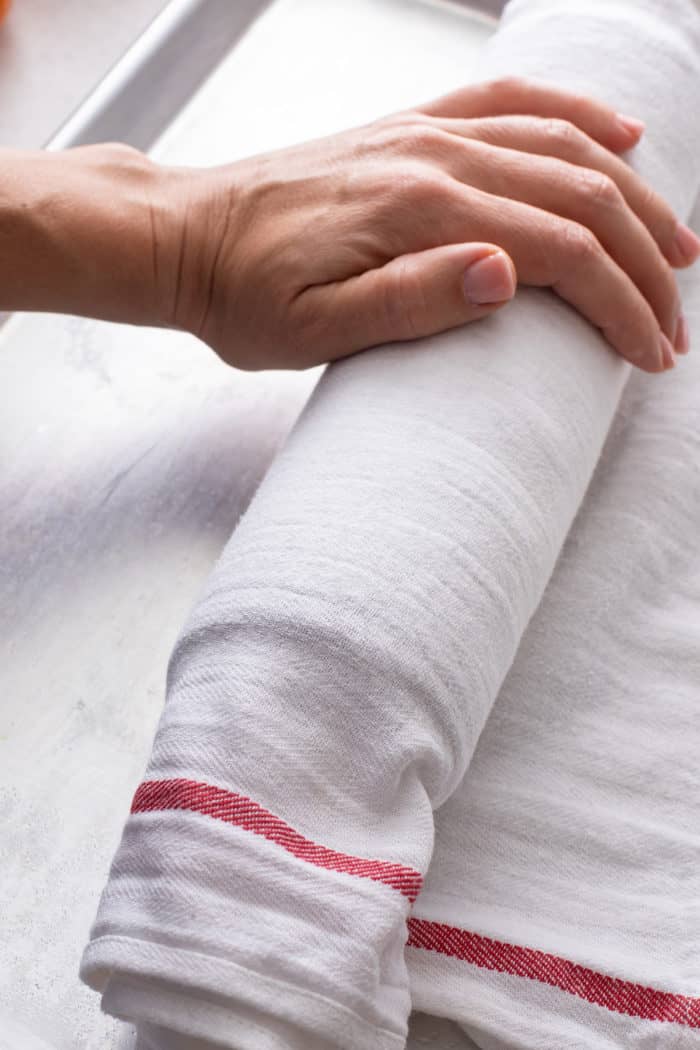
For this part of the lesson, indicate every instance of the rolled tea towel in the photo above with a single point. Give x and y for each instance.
(329, 690)
(561, 906)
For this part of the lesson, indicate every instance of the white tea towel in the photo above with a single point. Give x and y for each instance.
(330, 688)
(562, 903)
(425, 1033)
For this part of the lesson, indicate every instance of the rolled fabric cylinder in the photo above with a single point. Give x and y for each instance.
(425, 1033)
(330, 688)
(561, 906)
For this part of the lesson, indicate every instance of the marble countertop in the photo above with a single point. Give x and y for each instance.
(53, 53)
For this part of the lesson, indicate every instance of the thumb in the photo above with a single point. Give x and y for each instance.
(418, 294)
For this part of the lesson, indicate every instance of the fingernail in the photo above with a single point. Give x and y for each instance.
(631, 124)
(489, 280)
(668, 358)
(682, 338)
(687, 243)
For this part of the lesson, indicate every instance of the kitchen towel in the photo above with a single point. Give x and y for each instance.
(562, 904)
(328, 693)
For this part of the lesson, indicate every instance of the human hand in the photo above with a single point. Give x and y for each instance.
(407, 226)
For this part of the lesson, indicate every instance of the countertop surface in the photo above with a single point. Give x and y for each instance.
(53, 52)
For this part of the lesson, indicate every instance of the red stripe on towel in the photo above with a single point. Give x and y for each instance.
(236, 809)
(623, 997)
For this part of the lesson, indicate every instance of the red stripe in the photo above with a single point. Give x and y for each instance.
(244, 813)
(623, 997)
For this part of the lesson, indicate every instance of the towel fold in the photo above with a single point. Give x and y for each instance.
(329, 691)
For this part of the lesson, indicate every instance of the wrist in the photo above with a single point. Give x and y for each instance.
(204, 211)
(81, 232)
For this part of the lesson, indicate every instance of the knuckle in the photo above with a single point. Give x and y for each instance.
(562, 134)
(404, 300)
(419, 139)
(421, 187)
(509, 85)
(599, 189)
(387, 136)
(580, 245)
(408, 138)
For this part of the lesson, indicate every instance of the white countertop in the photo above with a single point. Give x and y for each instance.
(53, 52)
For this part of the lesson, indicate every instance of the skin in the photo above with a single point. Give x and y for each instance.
(413, 224)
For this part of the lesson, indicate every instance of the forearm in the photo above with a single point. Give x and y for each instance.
(89, 231)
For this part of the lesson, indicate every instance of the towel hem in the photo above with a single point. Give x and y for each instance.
(111, 962)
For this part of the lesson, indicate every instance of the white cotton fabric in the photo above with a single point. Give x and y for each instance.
(347, 652)
(575, 830)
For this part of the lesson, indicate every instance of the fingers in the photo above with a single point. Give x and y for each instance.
(558, 138)
(590, 280)
(411, 296)
(589, 198)
(601, 122)
(551, 251)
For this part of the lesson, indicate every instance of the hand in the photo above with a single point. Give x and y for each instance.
(408, 226)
